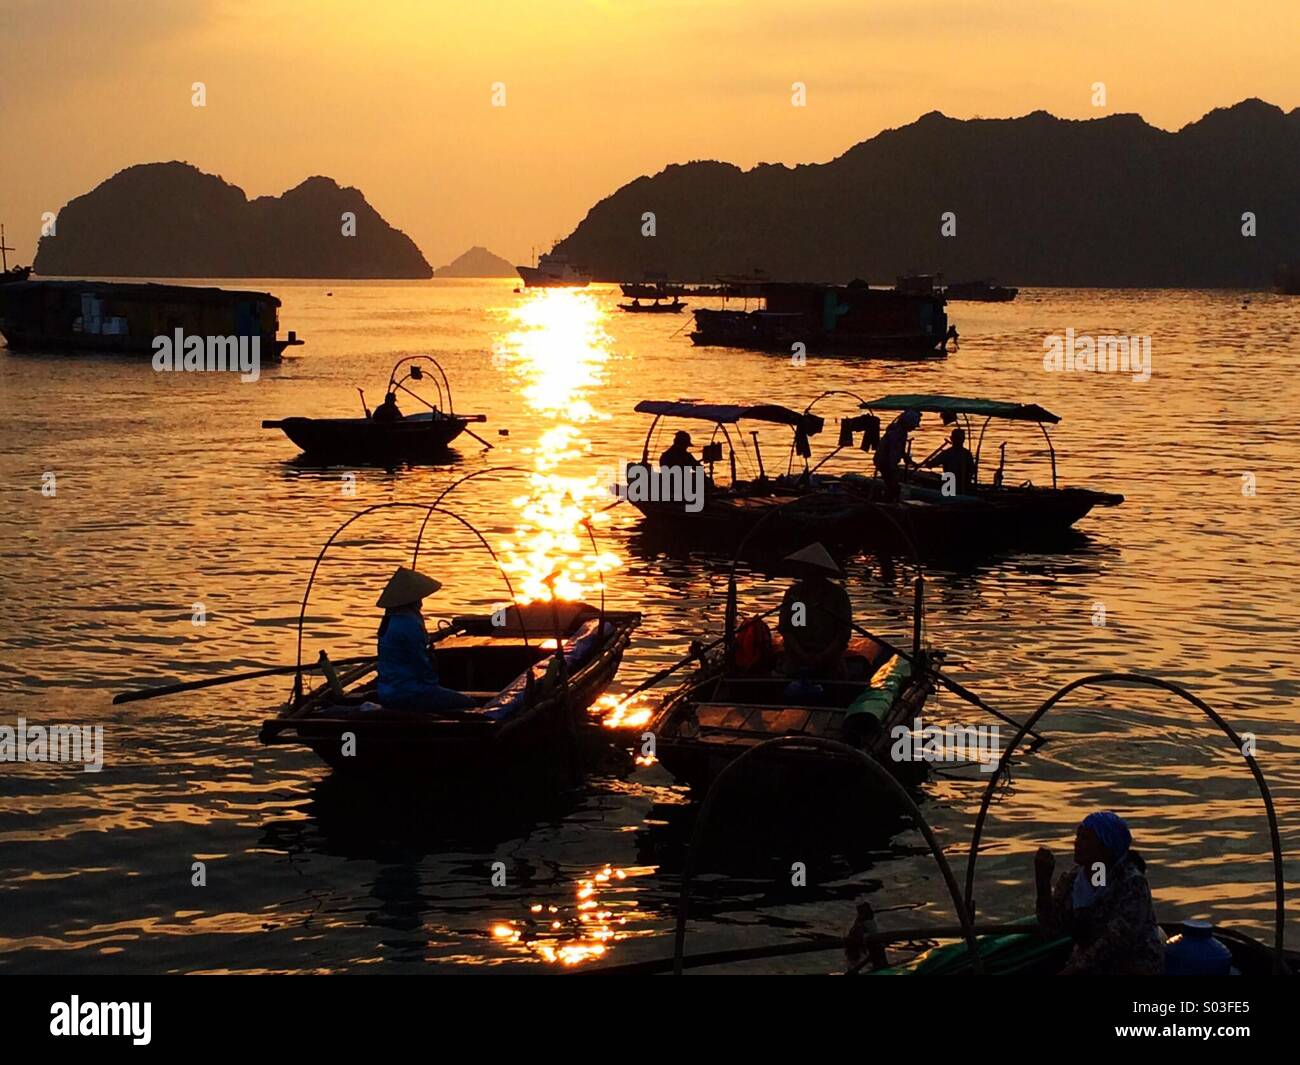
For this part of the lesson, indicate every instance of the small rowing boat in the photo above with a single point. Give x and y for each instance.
(385, 437)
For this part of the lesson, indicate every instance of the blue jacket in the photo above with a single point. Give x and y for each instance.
(407, 672)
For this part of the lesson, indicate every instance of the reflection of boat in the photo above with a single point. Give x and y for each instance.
(991, 515)
(982, 291)
(532, 671)
(126, 318)
(1287, 281)
(553, 270)
(849, 320)
(724, 511)
(370, 440)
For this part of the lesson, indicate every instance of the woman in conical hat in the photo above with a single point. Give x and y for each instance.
(408, 672)
(816, 620)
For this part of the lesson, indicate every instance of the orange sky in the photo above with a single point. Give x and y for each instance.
(394, 96)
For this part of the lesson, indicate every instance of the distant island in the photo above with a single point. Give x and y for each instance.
(477, 262)
(173, 220)
(1036, 200)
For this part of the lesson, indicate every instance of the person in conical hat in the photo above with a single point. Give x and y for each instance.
(816, 619)
(408, 671)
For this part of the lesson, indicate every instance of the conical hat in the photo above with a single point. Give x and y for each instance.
(816, 556)
(405, 587)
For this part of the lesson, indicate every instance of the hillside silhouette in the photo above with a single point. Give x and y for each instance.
(1038, 200)
(173, 220)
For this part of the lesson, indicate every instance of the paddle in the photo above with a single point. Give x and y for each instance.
(465, 428)
(947, 682)
(212, 682)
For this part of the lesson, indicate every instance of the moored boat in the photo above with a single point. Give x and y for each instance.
(379, 438)
(982, 291)
(851, 320)
(530, 672)
(553, 270)
(128, 318)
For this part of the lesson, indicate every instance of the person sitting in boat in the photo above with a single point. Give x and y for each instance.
(816, 619)
(892, 450)
(408, 673)
(957, 460)
(388, 410)
(1104, 902)
(680, 452)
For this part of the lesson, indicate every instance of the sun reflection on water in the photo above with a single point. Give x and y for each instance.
(557, 351)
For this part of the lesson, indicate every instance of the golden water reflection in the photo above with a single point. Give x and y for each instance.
(557, 351)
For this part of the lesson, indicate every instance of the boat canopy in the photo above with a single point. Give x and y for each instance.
(989, 408)
(729, 414)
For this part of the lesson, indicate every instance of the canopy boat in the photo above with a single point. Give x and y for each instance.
(931, 519)
(1193, 947)
(725, 510)
(729, 706)
(850, 320)
(983, 291)
(370, 440)
(532, 671)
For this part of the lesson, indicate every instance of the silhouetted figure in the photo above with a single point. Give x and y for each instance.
(816, 619)
(388, 411)
(957, 460)
(680, 452)
(892, 450)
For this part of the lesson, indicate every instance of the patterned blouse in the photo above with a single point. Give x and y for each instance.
(1118, 933)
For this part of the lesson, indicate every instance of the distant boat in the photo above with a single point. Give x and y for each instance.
(982, 291)
(637, 307)
(1287, 280)
(125, 318)
(852, 320)
(553, 270)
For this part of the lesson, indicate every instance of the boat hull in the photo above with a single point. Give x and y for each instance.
(366, 441)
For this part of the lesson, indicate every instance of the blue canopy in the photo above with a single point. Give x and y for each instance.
(730, 413)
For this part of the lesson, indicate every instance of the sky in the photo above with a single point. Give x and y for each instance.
(396, 97)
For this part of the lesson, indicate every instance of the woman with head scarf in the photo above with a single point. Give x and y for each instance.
(1104, 902)
(408, 674)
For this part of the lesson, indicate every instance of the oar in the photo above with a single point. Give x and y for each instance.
(465, 429)
(947, 682)
(212, 682)
(650, 682)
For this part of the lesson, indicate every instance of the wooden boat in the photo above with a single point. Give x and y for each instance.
(1286, 281)
(531, 670)
(930, 522)
(982, 291)
(637, 307)
(720, 712)
(416, 438)
(731, 507)
(125, 318)
(528, 709)
(851, 320)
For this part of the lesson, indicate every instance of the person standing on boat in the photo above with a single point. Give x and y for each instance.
(816, 619)
(957, 460)
(680, 452)
(1104, 902)
(892, 450)
(408, 673)
(388, 410)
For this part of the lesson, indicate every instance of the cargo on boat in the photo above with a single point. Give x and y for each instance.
(851, 320)
(125, 318)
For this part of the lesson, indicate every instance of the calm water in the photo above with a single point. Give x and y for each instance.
(169, 494)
